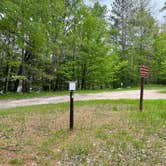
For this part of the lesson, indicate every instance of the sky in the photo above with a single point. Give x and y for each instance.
(156, 5)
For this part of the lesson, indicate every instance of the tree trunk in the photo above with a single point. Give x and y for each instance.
(6, 85)
(17, 82)
(83, 79)
(123, 30)
(24, 81)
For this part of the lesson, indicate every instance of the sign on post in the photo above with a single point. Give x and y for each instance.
(72, 88)
(144, 73)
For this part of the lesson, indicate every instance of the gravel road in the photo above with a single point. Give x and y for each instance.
(131, 94)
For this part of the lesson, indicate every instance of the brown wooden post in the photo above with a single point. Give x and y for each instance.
(141, 94)
(144, 73)
(72, 88)
(71, 110)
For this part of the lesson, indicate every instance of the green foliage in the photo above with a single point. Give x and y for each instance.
(160, 51)
(46, 44)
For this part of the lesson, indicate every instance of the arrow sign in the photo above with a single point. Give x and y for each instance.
(144, 73)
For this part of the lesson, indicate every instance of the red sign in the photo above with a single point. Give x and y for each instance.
(144, 71)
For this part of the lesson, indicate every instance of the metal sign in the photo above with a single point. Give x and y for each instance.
(144, 73)
(72, 86)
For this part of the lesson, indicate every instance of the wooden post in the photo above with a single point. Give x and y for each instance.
(144, 73)
(141, 94)
(72, 88)
(71, 110)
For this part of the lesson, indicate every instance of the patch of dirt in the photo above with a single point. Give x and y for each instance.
(131, 94)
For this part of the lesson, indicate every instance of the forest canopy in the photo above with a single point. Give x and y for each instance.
(44, 45)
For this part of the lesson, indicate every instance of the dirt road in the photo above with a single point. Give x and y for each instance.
(131, 94)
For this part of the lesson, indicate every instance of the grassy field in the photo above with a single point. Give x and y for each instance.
(7, 96)
(106, 133)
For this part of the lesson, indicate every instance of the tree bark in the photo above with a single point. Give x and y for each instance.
(24, 81)
(6, 85)
(83, 80)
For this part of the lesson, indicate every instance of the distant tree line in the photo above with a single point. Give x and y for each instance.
(44, 45)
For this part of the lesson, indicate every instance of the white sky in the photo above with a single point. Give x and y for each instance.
(156, 5)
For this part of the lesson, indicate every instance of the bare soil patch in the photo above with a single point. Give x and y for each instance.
(132, 94)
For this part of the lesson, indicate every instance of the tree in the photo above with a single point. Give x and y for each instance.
(9, 51)
(120, 15)
(160, 62)
(133, 22)
(164, 8)
(44, 45)
(29, 33)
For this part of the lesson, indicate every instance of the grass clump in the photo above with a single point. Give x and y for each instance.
(16, 162)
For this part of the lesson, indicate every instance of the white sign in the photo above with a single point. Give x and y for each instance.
(72, 85)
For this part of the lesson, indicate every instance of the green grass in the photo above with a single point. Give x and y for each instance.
(106, 132)
(7, 96)
(163, 91)
(30, 95)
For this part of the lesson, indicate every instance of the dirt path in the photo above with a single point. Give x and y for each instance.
(132, 94)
